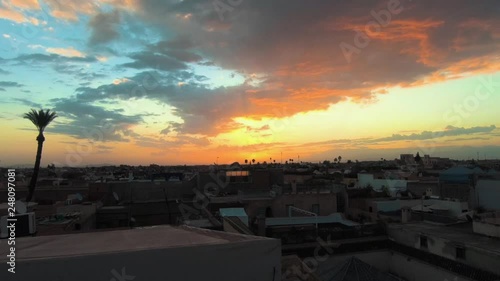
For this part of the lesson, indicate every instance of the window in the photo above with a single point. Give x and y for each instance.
(423, 242)
(460, 253)
(315, 209)
(237, 173)
(238, 176)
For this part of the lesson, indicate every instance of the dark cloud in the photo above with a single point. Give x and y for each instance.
(28, 103)
(172, 127)
(104, 27)
(183, 56)
(289, 53)
(10, 84)
(154, 61)
(37, 58)
(297, 43)
(178, 43)
(5, 72)
(178, 48)
(295, 48)
(93, 122)
(79, 71)
(204, 110)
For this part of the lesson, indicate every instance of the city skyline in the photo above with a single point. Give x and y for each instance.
(195, 82)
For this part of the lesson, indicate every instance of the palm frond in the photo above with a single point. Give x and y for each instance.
(41, 119)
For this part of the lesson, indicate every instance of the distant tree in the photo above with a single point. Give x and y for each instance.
(253, 161)
(335, 160)
(386, 191)
(340, 158)
(246, 161)
(326, 163)
(418, 159)
(41, 119)
(349, 161)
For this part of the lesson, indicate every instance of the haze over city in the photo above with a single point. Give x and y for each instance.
(193, 82)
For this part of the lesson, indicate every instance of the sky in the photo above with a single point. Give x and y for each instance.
(217, 81)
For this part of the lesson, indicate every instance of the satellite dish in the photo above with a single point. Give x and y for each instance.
(115, 195)
(21, 207)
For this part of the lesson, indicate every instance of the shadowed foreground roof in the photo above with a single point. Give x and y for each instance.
(353, 269)
(120, 241)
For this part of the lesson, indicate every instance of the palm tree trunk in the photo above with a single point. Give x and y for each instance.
(36, 169)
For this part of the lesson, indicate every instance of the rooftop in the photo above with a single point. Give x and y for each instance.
(461, 233)
(129, 240)
(353, 270)
(333, 218)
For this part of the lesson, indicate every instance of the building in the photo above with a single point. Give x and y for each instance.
(410, 251)
(407, 159)
(488, 224)
(488, 193)
(457, 246)
(435, 162)
(462, 183)
(153, 253)
(391, 185)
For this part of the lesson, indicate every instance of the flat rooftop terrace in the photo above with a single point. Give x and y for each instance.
(120, 241)
(461, 233)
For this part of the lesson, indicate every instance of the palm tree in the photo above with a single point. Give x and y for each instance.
(246, 161)
(340, 158)
(335, 160)
(41, 119)
(253, 161)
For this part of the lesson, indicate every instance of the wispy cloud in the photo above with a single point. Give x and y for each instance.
(67, 52)
(449, 131)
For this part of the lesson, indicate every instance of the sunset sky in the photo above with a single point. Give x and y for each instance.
(187, 82)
